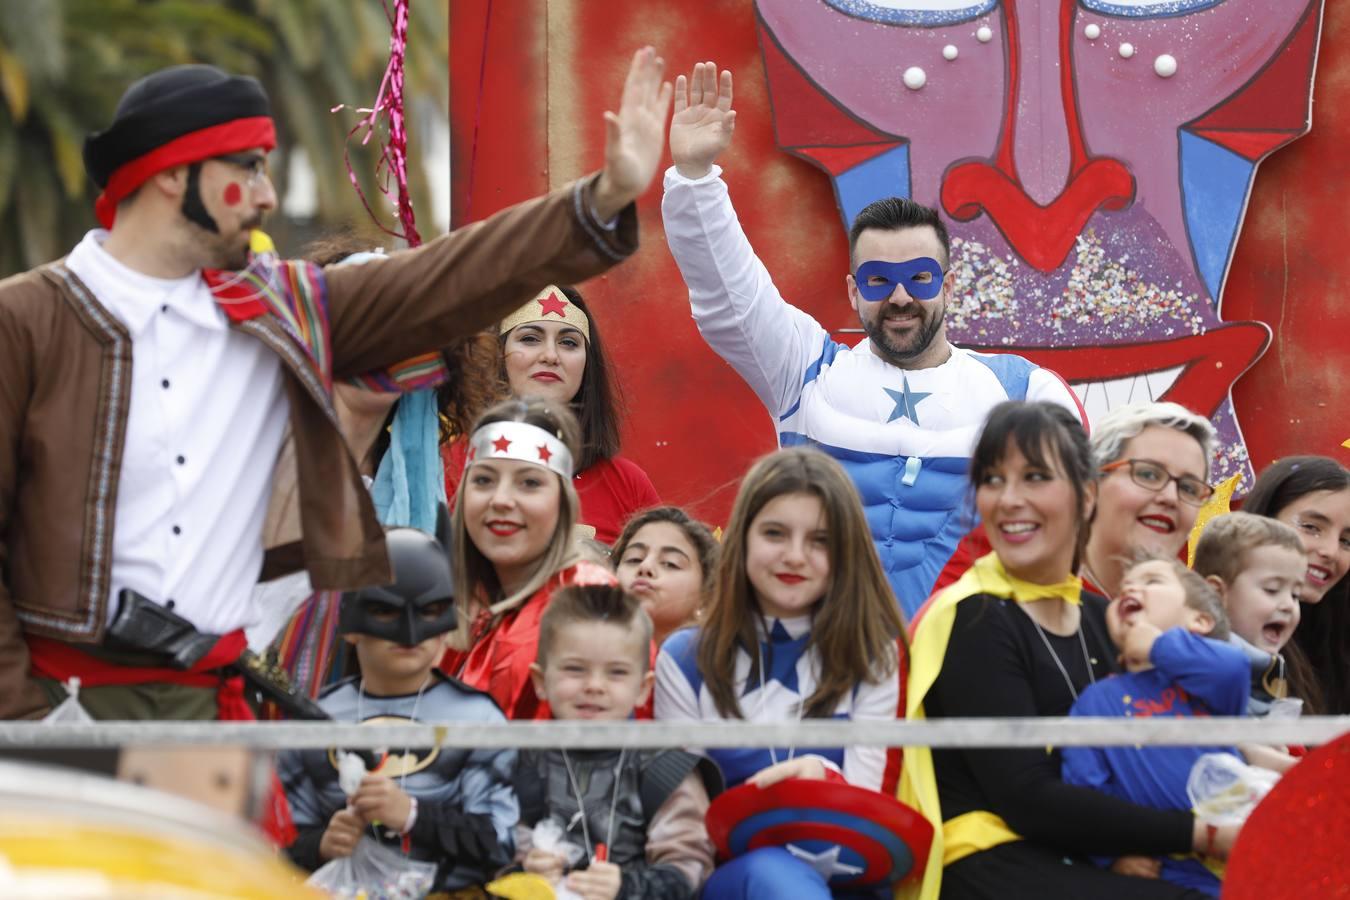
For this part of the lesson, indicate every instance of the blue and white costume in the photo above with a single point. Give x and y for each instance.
(904, 435)
(789, 679)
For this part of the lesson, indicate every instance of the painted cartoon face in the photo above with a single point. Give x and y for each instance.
(1092, 158)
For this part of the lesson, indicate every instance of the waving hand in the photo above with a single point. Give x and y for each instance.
(704, 120)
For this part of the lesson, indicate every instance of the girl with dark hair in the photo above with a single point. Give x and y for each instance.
(512, 546)
(1018, 636)
(1312, 494)
(667, 560)
(801, 624)
(551, 348)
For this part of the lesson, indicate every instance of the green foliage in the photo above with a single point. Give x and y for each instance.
(65, 63)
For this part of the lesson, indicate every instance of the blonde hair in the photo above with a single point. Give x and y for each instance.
(475, 576)
(1224, 544)
(1122, 424)
(857, 623)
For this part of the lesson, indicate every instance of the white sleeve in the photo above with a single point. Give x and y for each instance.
(1046, 386)
(737, 308)
(866, 766)
(675, 697)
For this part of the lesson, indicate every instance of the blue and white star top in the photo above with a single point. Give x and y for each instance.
(904, 435)
(789, 679)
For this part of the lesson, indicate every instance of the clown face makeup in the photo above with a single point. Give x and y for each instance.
(1092, 242)
(921, 278)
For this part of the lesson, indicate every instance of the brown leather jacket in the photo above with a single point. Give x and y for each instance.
(65, 375)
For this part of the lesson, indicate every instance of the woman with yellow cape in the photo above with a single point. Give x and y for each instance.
(1018, 636)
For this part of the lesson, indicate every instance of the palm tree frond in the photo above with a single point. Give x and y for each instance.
(14, 85)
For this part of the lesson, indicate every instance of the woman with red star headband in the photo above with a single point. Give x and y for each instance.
(512, 546)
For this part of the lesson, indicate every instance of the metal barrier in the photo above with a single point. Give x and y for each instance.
(1018, 732)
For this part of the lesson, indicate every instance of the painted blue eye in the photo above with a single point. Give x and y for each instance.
(1148, 9)
(927, 13)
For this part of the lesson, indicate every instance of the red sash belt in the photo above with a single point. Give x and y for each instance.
(61, 661)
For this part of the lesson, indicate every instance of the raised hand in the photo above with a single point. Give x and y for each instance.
(704, 120)
(633, 136)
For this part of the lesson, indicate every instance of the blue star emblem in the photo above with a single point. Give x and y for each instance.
(780, 654)
(905, 401)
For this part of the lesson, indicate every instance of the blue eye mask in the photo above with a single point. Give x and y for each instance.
(921, 278)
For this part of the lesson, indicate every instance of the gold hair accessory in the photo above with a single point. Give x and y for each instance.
(549, 305)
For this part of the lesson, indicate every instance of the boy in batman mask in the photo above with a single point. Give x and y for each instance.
(454, 807)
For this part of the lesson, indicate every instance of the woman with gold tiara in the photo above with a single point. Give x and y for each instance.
(551, 349)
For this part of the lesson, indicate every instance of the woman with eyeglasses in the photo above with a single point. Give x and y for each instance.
(1153, 464)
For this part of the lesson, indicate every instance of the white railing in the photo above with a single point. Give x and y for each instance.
(1020, 732)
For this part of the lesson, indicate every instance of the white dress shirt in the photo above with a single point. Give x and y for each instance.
(206, 422)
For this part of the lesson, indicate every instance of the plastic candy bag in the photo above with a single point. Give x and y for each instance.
(1224, 790)
(375, 872)
(351, 769)
(549, 836)
(69, 711)
(1285, 708)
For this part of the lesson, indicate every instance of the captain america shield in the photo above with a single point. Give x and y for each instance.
(852, 836)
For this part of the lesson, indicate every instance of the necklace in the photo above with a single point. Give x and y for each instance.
(759, 653)
(360, 694)
(1092, 577)
(1082, 642)
(581, 803)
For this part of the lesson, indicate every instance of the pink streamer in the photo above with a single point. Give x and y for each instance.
(394, 151)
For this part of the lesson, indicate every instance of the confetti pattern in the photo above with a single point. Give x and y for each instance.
(1121, 283)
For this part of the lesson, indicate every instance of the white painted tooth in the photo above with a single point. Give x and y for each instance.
(1160, 382)
(1080, 388)
(1117, 391)
(1138, 389)
(1096, 404)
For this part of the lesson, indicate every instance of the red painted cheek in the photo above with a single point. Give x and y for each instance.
(233, 195)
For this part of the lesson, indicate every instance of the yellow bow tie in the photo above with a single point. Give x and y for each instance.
(996, 580)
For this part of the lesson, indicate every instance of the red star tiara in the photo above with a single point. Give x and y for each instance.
(549, 305)
(522, 442)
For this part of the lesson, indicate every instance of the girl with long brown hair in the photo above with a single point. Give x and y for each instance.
(801, 624)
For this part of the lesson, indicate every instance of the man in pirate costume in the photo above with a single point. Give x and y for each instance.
(452, 807)
(147, 385)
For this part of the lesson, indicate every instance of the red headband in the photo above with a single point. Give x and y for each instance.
(195, 146)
